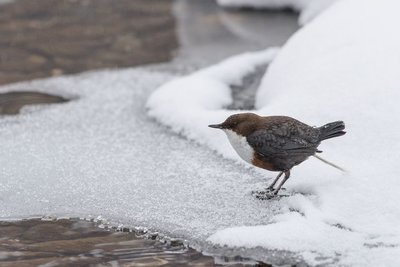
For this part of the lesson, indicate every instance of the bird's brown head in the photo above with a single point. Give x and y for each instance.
(242, 123)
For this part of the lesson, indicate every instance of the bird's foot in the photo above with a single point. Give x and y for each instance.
(264, 195)
(269, 189)
(269, 193)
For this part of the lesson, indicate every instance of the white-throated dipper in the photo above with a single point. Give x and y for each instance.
(276, 143)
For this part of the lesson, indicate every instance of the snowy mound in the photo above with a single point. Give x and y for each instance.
(340, 66)
(308, 9)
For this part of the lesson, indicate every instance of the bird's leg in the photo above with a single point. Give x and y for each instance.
(271, 187)
(287, 175)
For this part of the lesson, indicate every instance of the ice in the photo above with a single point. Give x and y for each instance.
(100, 154)
(341, 66)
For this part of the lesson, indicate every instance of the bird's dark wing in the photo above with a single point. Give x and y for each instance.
(277, 142)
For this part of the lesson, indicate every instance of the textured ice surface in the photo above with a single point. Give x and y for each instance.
(339, 66)
(102, 155)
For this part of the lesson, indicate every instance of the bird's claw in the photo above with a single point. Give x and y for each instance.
(265, 195)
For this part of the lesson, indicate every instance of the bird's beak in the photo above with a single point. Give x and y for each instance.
(216, 126)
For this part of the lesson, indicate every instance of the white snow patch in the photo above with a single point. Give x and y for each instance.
(343, 65)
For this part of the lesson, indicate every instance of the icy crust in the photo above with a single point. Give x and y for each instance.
(100, 154)
(308, 9)
(341, 66)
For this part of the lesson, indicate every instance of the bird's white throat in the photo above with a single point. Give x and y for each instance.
(239, 143)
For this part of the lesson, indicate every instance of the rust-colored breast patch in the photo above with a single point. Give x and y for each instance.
(260, 162)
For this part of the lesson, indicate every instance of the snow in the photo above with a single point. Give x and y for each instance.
(100, 154)
(340, 66)
(308, 9)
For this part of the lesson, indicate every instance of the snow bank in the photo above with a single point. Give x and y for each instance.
(308, 9)
(343, 65)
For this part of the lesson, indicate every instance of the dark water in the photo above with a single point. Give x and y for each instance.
(75, 242)
(12, 102)
(42, 38)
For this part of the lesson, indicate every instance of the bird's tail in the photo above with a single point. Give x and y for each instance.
(330, 130)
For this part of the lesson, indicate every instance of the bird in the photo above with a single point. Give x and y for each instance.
(276, 143)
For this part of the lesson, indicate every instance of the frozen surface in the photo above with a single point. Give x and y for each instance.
(102, 155)
(339, 66)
